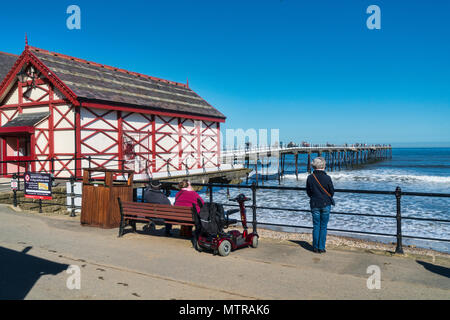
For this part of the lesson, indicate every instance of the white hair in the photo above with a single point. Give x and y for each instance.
(319, 163)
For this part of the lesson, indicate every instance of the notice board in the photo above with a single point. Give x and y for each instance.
(38, 186)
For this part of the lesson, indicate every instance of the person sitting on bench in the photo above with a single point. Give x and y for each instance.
(186, 197)
(153, 194)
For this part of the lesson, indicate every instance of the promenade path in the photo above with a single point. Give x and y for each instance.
(35, 252)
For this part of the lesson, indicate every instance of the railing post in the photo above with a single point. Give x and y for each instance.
(254, 207)
(40, 205)
(210, 193)
(89, 159)
(15, 190)
(72, 196)
(53, 166)
(398, 196)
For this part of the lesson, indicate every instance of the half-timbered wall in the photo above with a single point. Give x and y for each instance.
(137, 131)
(147, 143)
(53, 141)
(99, 140)
(210, 133)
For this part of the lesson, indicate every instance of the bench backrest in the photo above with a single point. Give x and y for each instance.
(175, 214)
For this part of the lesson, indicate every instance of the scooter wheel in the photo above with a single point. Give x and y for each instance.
(255, 242)
(198, 247)
(225, 248)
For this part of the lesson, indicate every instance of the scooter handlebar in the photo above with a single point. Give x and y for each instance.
(241, 198)
(232, 211)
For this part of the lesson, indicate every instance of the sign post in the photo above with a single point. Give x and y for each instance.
(14, 184)
(38, 186)
(14, 188)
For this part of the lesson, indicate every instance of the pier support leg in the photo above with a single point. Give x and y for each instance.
(339, 160)
(296, 166)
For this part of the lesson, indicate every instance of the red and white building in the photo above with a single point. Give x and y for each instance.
(54, 106)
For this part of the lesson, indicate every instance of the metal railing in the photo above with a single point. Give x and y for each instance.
(276, 149)
(25, 165)
(48, 165)
(398, 194)
(41, 202)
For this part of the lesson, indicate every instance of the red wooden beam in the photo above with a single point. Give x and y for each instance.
(20, 89)
(154, 143)
(180, 147)
(51, 125)
(144, 111)
(78, 154)
(25, 129)
(120, 139)
(33, 104)
(199, 145)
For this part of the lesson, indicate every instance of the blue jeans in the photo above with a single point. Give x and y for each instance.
(320, 221)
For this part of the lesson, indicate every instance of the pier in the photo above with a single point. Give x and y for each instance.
(337, 157)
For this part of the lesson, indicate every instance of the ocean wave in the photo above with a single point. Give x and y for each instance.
(378, 177)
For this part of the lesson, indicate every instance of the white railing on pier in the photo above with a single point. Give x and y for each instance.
(275, 150)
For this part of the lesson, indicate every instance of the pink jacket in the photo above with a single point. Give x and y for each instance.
(186, 198)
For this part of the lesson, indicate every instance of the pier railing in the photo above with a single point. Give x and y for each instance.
(398, 194)
(277, 149)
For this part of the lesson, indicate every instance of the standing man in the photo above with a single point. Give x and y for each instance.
(319, 188)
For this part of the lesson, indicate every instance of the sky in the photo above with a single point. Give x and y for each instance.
(311, 69)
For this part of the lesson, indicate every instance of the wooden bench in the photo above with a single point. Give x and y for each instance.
(134, 212)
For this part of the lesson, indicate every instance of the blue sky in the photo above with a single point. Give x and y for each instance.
(311, 69)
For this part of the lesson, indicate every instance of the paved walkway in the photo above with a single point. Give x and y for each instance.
(36, 251)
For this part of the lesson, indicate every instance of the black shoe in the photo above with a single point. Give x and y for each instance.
(316, 250)
(149, 227)
(322, 251)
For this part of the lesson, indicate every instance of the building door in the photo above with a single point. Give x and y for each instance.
(17, 154)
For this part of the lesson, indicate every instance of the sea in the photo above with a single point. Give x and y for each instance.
(411, 169)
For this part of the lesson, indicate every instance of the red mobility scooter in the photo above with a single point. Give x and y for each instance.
(210, 223)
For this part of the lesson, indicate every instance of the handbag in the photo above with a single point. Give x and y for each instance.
(327, 193)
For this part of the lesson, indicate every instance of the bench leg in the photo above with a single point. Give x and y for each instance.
(133, 225)
(122, 227)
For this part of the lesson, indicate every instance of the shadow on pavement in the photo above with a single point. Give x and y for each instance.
(305, 245)
(442, 271)
(20, 271)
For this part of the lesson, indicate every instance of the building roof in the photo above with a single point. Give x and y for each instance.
(27, 119)
(100, 83)
(6, 62)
